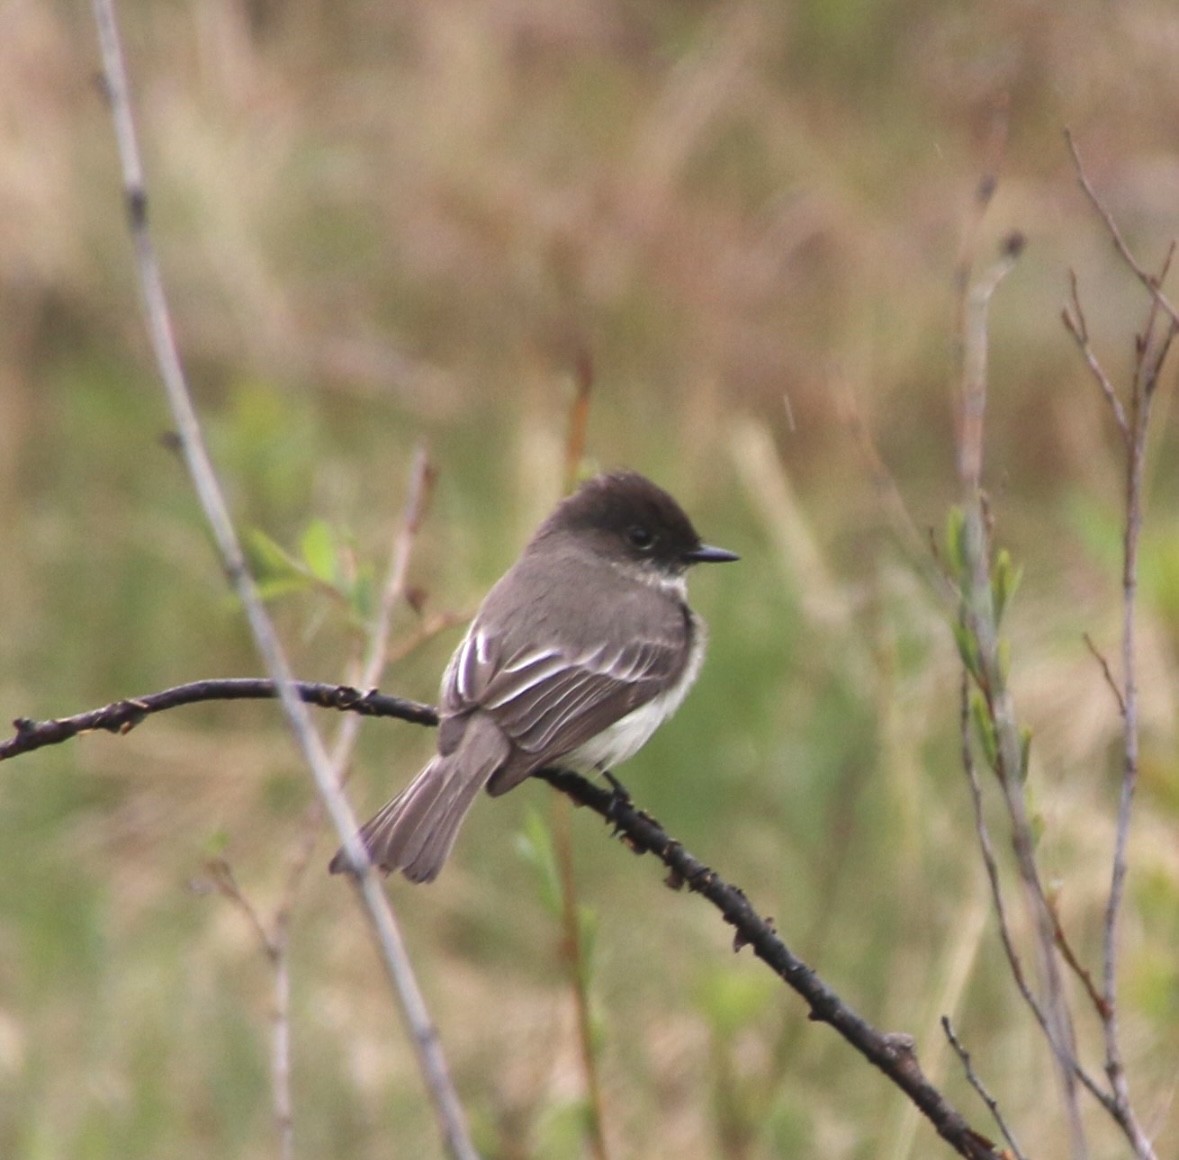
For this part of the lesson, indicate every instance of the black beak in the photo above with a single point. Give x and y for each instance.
(707, 554)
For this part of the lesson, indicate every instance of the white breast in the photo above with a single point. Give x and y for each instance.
(622, 740)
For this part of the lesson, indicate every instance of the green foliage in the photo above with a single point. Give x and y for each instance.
(984, 728)
(955, 543)
(326, 563)
(968, 649)
(1005, 579)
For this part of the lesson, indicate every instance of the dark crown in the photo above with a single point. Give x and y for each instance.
(628, 512)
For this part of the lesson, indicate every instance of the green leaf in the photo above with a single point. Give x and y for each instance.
(1039, 827)
(984, 729)
(1003, 658)
(318, 548)
(587, 929)
(967, 650)
(270, 558)
(1004, 582)
(279, 586)
(956, 541)
(216, 843)
(1025, 752)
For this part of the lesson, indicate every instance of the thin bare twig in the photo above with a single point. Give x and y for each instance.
(573, 960)
(1075, 965)
(1107, 672)
(224, 881)
(1151, 348)
(191, 443)
(421, 482)
(1074, 322)
(978, 1085)
(124, 715)
(990, 862)
(272, 942)
(1152, 284)
(912, 542)
(975, 307)
(426, 631)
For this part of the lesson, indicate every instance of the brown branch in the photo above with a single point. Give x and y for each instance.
(893, 1054)
(1075, 965)
(122, 716)
(1107, 672)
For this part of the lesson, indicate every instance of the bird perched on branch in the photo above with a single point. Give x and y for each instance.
(575, 657)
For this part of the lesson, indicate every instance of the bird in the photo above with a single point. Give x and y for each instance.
(582, 649)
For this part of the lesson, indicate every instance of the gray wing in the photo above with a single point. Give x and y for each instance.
(549, 701)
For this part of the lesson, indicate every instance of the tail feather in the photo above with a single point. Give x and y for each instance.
(416, 831)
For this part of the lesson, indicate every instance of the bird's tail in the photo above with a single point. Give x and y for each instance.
(415, 832)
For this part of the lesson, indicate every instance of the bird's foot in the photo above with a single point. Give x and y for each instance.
(619, 796)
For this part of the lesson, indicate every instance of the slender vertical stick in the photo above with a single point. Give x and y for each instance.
(980, 621)
(280, 1053)
(1153, 346)
(1151, 349)
(392, 949)
(573, 950)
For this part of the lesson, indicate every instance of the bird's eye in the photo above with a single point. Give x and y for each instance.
(640, 537)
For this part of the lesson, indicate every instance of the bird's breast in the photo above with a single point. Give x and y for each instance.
(622, 740)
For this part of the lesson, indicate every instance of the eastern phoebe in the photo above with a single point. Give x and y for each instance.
(576, 656)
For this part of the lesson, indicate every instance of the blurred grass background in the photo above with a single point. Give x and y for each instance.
(382, 222)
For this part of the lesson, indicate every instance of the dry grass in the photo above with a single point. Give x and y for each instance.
(381, 221)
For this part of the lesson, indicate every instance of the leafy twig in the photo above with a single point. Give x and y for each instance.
(979, 627)
(421, 478)
(987, 848)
